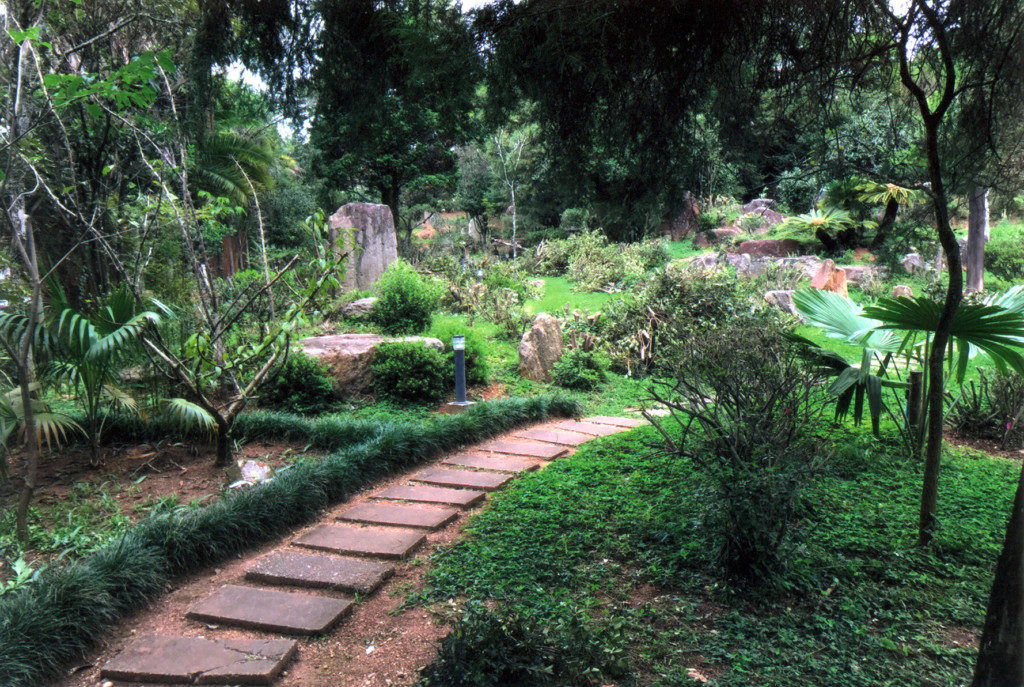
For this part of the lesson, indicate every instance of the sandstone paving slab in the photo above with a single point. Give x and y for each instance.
(524, 448)
(554, 436)
(498, 463)
(629, 422)
(380, 542)
(320, 571)
(487, 481)
(589, 428)
(272, 610)
(195, 660)
(423, 494)
(400, 515)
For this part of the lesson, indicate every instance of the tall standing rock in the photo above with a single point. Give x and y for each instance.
(367, 233)
(540, 348)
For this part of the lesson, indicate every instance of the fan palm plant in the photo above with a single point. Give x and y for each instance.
(830, 226)
(889, 195)
(232, 164)
(51, 428)
(89, 352)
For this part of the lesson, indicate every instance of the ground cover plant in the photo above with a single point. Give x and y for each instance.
(616, 536)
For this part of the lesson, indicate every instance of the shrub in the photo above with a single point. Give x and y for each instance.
(574, 219)
(1004, 253)
(50, 622)
(410, 372)
(302, 386)
(709, 221)
(743, 413)
(406, 302)
(506, 648)
(477, 348)
(592, 263)
(580, 370)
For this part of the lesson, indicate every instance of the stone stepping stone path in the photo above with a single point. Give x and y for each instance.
(272, 610)
(351, 558)
(592, 428)
(498, 463)
(487, 481)
(532, 449)
(424, 494)
(379, 542)
(320, 571)
(400, 515)
(198, 661)
(554, 436)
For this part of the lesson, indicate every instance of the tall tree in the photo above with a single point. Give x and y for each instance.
(394, 85)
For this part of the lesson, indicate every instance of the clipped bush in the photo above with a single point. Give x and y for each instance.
(54, 620)
(580, 370)
(1004, 253)
(303, 385)
(477, 348)
(406, 302)
(410, 372)
(505, 647)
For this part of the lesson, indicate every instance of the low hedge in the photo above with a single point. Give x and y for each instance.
(56, 619)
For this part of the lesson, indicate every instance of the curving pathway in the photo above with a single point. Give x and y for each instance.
(306, 586)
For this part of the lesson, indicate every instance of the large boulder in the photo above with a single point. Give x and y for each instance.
(830, 278)
(864, 274)
(540, 348)
(367, 236)
(776, 248)
(349, 357)
(706, 239)
(902, 291)
(758, 205)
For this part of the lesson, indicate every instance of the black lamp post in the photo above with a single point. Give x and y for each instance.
(459, 346)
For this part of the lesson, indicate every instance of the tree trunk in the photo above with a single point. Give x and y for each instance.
(936, 360)
(224, 456)
(977, 235)
(390, 197)
(1001, 653)
(885, 226)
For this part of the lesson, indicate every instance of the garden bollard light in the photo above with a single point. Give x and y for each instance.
(459, 346)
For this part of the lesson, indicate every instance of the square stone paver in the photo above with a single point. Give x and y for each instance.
(424, 494)
(589, 428)
(320, 571)
(524, 448)
(554, 436)
(272, 610)
(628, 422)
(381, 542)
(194, 660)
(488, 481)
(499, 463)
(400, 515)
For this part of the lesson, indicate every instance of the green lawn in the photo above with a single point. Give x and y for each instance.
(609, 553)
(559, 293)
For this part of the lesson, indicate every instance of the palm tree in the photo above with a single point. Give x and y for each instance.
(889, 195)
(233, 164)
(832, 227)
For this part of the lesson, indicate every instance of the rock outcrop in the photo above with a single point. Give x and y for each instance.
(777, 248)
(540, 348)
(365, 232)
(783, 300)
(830, 278)
(349, 357)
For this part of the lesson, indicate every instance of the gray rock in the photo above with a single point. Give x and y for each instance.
(367, 236)
(783, 300)
(360, 309)
(913, 263)
(540, 348)
(757, 205)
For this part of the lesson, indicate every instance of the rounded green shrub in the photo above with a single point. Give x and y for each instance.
(477, 348)
(580, 370)
(302, 386)
(410, 372)
(406, 302)
(1004, 253)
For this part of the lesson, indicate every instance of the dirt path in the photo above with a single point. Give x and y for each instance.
(375, 644)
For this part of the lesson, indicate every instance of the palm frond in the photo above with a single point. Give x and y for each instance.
(841, 318)
(188, 415)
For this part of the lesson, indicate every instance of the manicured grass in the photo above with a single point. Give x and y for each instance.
(588, 536)
(559, 293)
(683, 249)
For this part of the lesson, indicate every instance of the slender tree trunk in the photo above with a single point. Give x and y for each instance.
(1001, 653)
(936, 359)
(26, 377)
(885, 226)
(224, 452)
(977, 235)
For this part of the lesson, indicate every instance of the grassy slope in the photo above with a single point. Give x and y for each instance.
(866, 608)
